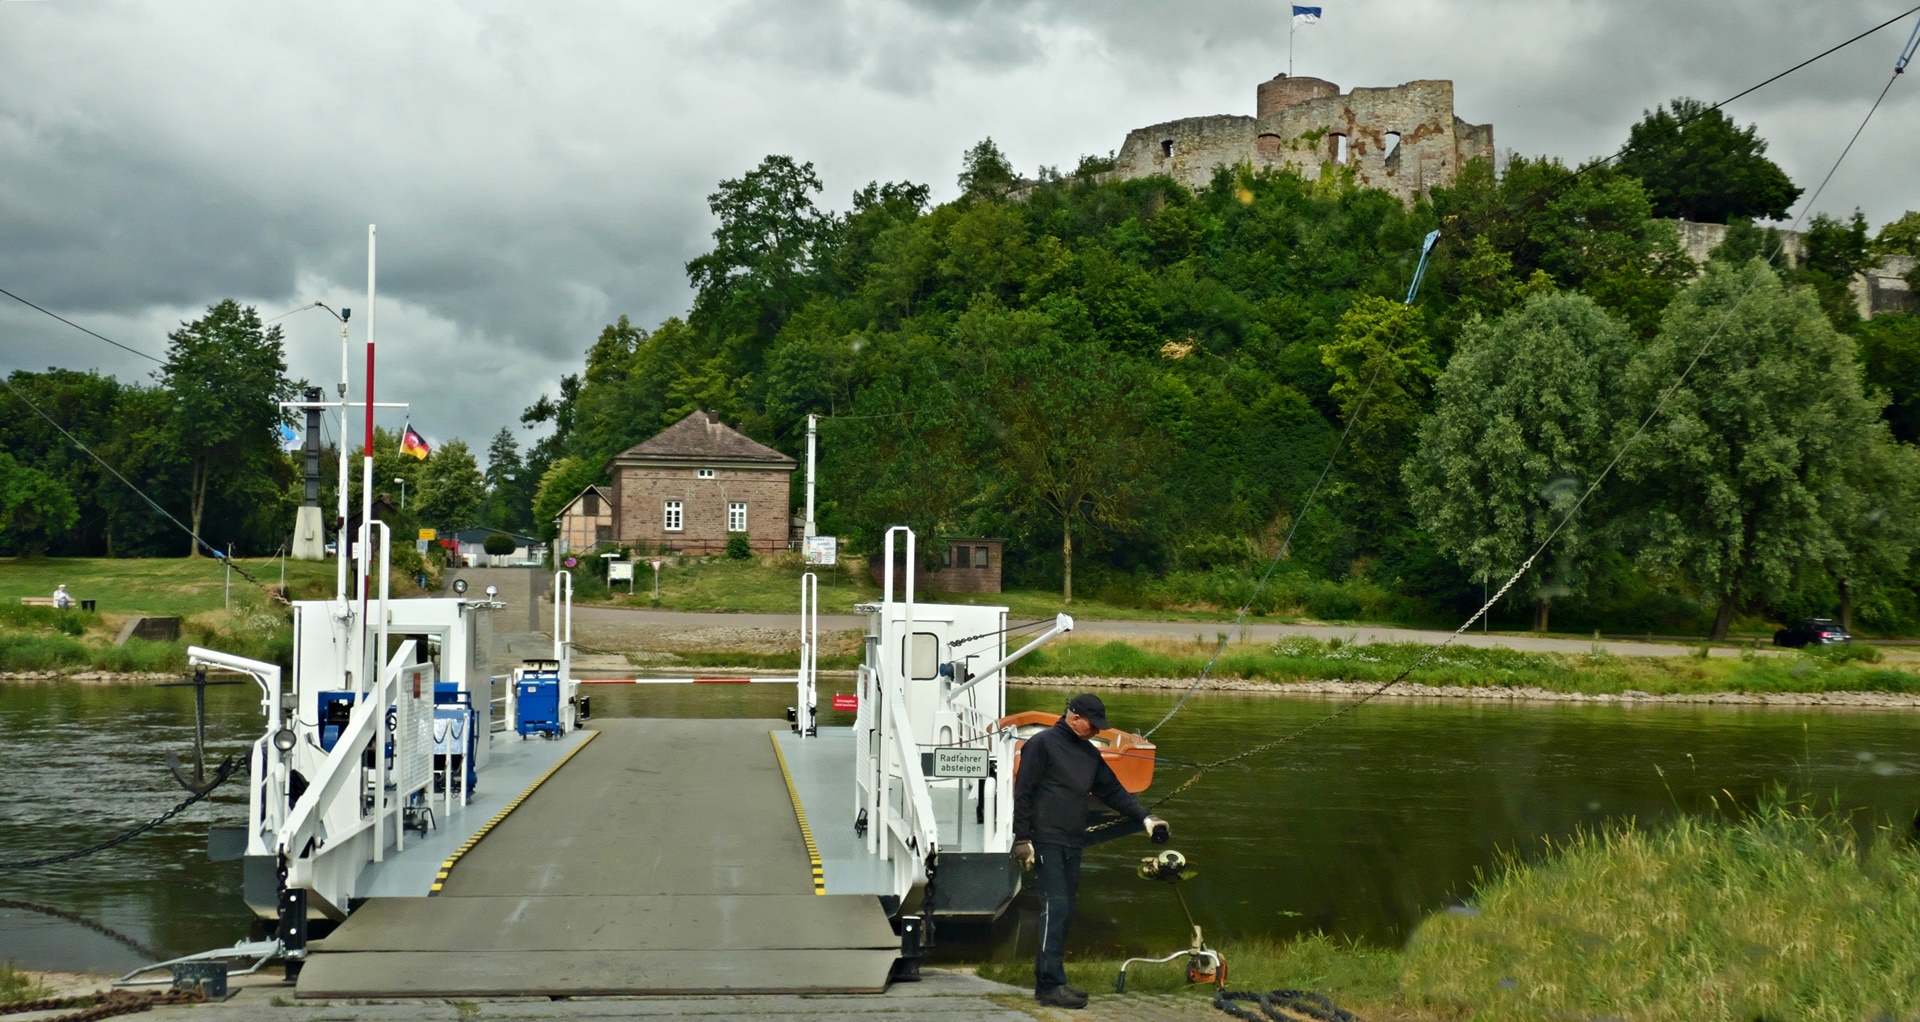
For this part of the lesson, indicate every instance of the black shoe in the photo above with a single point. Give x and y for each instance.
(1062, 997)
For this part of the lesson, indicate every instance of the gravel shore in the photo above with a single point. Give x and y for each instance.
(1409, 690)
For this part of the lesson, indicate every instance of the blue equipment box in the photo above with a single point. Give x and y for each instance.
(537, 702)
(333, 710)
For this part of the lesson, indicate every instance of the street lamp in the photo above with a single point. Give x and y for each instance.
(403, 492)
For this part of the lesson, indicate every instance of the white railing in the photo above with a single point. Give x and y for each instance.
(807, 693)
(563, 648)
(914, 832)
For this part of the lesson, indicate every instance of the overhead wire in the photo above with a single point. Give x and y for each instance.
(84, 330)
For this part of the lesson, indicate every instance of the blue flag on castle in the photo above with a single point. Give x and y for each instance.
(1305, 15)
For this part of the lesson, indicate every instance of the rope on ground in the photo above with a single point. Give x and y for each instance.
(103, 1005)
(1275, 1006)
(228, 767)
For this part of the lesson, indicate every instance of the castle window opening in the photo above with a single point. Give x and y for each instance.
(1340, 149)
(1166, 148)
(1392, 145)
(1268, 146)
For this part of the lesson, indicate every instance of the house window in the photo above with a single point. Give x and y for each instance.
(674, 518)
(979, 557)
(737, 516)
(705, 473)
(590, 504)
(603, 534)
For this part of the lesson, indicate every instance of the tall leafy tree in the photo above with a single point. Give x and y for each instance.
(985, 171)
(452, 490)
(1522, 424)
(227, 375)
(1697, 164)
(763, 248)
(509, 503)
(34, 507)
(1743, 478)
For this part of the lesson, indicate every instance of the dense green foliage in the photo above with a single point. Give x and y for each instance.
(1698, 165)
(1135, 383)
(202, 442)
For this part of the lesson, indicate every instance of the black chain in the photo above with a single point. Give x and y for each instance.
(103, 930)
(228, 767)
(1301, 1003)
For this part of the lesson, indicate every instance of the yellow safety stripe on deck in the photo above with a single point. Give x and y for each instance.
(800, 813)
(447, 867)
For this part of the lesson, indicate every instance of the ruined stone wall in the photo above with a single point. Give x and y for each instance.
(1880, 290)
(1405, 139)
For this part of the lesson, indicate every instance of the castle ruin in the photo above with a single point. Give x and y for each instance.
(1403, 140)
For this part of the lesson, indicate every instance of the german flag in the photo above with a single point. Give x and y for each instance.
(415, 444)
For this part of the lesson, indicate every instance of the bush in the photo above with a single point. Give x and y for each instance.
(738, 548)
(499, 545)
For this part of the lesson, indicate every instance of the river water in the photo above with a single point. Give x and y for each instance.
(1360, 829)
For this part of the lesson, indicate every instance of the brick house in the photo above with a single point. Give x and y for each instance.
(586, 521)
(971, 565)
(698, 482)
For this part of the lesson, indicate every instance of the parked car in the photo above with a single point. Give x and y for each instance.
(1813, 631)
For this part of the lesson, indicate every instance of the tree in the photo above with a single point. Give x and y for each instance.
(1698, 165)
(1890, 355)
(985, 171)
(1522, 424)
(498, 544)
(1741, 479)
(562, 482)
(1379, 355)
(1876, 515)
(1070, 430)
(762, 248)
(452, 489)
(34, 508)
(509, 502)
(228, 375)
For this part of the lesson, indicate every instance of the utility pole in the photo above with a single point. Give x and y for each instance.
(403, 492)
(812, 422)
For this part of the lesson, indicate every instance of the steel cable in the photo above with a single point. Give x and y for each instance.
(228, 767)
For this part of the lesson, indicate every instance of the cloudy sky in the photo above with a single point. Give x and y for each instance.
(537, 170)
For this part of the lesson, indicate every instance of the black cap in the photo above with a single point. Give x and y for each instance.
(1088, 705)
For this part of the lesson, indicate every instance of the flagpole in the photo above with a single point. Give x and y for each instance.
(1292, 23)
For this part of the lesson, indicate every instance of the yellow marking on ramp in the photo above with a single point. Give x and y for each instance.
(800, 813)
(446, 867)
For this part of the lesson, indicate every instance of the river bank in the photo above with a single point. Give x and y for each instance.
(1412, 691)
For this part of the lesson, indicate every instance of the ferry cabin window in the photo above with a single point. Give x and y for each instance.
(737, 516)
(979, 557)
(705, 473)
(923, 660)
(673, 517)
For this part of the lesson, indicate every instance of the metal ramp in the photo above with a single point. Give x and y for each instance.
(662, 858)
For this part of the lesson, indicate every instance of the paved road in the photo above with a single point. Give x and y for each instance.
(586, 617)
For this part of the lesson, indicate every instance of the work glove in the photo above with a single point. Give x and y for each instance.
(1023, 854)
(1159, 830)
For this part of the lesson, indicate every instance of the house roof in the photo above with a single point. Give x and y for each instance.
(480, 536)
(606, 496)
(703, 437)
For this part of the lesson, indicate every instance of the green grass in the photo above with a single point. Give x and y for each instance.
(17, 986)
(41, 638)
(1782, 914)
(1360, 978)
(772, 586)
(174, 587)
(1300, 658)
(1779, 916)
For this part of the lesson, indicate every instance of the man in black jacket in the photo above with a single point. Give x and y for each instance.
(1059, 768)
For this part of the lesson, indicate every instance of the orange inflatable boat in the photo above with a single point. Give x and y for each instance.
(1130, 755)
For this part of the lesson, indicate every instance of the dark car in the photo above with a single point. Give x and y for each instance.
(1813, 631)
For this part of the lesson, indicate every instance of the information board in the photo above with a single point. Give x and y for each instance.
(619, 571)
(821, 549)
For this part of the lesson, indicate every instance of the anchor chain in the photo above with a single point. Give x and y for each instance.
(228, 767)
(104, 1005)
(1301, 1003)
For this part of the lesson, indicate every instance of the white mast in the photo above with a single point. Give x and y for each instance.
(812, 420)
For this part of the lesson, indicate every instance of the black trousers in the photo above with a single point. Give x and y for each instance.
(1057, 883)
